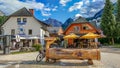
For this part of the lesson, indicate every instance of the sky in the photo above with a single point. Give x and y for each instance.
(56, 9)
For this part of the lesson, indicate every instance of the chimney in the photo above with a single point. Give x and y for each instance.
(31, 11)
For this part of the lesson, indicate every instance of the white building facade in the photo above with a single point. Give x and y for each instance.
(22, 23)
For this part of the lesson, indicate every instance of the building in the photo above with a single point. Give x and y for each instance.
(23, 27)
(80, 27)
(55, 31)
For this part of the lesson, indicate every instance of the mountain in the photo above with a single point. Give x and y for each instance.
(67, 23)
(53, 22)
(99, 13)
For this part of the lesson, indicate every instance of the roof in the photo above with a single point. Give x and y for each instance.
(53, 29)
(79, 20)
(95, 25)
(83, 20)
(22, 12)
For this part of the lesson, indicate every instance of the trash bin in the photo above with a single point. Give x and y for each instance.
(6, 44)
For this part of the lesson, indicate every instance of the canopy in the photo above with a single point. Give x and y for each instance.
(90, 35)
(71, 36)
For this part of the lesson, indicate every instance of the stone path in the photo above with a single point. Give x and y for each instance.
(27, 60)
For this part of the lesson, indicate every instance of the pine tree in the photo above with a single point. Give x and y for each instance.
(118, 18)
(108, 21)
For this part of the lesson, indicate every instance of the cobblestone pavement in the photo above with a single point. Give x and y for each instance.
(27, 60)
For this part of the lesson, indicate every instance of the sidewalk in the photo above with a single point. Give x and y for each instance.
(110, 50)
(1, 51)
(19, 57)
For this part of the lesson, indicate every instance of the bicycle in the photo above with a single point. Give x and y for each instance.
(40, 56)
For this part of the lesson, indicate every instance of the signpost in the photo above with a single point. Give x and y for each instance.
(17, 38)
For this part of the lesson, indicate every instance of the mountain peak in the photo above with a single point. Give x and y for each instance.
(53, 22)
(67, 23)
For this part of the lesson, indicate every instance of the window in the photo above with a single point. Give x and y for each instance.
(12, 31)
(24, 19)
(18, 19)
(30, 32)
(76, 28)
(85, 27)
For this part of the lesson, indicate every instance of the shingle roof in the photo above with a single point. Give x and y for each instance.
(83, 20)
(79, 20)
(53, 29)
(95, 25)
(22, 12)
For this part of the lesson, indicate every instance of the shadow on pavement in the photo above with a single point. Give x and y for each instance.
(58, 63)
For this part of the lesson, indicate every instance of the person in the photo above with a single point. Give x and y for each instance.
(74, 45)
(14, 43)
(62, 43)
(99, 44)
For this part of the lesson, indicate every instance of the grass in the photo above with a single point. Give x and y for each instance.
(21, 52)
(116, 45)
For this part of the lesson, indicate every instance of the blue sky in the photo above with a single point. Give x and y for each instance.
(56, 9)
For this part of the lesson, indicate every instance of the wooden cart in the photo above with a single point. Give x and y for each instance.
(70, 53)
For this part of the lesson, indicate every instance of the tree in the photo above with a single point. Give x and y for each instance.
(2, 19)
(118, 18)
(108, 21)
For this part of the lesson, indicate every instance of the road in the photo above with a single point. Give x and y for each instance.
(27, 60)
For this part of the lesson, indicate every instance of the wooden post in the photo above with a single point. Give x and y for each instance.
(90, 61)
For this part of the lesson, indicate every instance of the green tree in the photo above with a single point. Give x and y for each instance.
(118, 18)
(2, 19)
(108, 21)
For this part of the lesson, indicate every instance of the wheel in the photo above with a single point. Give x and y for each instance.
(39, 57)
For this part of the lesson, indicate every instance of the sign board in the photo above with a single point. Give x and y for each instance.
(17, 38)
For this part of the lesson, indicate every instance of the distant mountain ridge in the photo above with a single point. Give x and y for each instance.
(67, 23)
(99, 13)
(53, 22)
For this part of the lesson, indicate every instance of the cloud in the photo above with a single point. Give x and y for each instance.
(87, 8)
(77, 15)
(45, 13)
(76, 6)
(63, 2)
(87, 2)
(10, 6)
(55, 8)
(47, 9)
